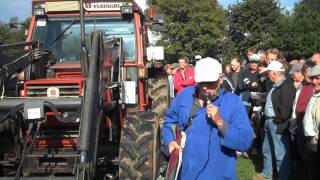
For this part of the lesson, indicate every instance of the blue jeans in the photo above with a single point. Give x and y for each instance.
(277, 146)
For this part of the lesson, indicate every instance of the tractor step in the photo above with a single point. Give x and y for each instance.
(51, 161)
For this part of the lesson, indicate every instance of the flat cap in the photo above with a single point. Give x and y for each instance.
(174, 65)
(314, 71)
(295, 68)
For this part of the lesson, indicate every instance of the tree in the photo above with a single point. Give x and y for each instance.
(8, 35)
(193, 27)
(304, 36)
(255, 23)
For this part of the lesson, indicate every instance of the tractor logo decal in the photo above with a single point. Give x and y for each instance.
(87, 5)
(53, 92)
(104, 6)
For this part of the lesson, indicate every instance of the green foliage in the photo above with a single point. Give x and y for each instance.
(193, 27)
(198, 27)
(9, 35)
(255, 23)
(304, 36)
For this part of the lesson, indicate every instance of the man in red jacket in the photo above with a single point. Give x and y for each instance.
(184, 76)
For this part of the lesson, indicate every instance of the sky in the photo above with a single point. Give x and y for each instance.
(22, 8)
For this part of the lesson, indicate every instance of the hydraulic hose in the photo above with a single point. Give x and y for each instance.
(71, 118)
(12, 112)
(20, 64)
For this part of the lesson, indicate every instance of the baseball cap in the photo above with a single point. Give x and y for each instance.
(295, 68)
(254, 58)
(314, 71)
(275, 66)
(174, 65)
(197, 57)
(207, 70)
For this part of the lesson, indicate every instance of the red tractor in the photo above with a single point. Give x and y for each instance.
(84, 97)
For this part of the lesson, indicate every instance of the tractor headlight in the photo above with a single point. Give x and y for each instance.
(126, 10)
(38, 12)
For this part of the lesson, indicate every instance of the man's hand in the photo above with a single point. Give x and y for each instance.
(173, 145)
(254, 84)
(213, 113)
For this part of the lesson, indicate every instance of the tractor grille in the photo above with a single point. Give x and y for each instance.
(65, 90)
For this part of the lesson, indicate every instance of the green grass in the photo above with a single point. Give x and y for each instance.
(246, 168)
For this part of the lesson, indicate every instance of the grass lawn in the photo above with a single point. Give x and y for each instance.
(246, 168)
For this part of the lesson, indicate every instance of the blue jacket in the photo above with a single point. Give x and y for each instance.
(207, 154)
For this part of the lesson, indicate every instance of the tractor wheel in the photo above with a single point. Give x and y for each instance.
(6, 126)
(139, 147)
(12, 149)
(158, 91)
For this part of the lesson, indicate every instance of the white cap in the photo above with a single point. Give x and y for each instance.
(275, 66)
(197, 57)
(254, 58)
(207, 70)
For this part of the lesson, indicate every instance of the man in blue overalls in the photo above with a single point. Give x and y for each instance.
(220, 126)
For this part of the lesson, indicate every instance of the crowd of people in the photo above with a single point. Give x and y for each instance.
(286, 131)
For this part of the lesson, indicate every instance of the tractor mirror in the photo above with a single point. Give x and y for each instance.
(158, 23)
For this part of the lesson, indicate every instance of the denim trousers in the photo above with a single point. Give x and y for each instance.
(275, 146)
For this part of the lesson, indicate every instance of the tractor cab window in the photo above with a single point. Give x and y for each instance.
(62, 35)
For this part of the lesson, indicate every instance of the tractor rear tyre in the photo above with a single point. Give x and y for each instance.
(158, 91)
(139, 147)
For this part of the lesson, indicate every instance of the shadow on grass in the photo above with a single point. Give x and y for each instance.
(257, 162)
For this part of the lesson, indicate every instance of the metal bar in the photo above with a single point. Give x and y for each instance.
(65, 104)
(40, 178)
(20, 44)
(59, 86)
(84, 52)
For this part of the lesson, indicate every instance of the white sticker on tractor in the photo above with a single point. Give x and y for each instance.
(41, 22)
(34, 113)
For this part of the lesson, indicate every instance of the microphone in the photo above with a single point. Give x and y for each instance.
(207, 98)
(246, 81)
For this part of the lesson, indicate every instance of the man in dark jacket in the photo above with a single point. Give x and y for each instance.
(237, 70)
(277, 111)
(249, 81)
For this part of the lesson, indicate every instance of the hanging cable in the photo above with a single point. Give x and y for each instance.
(26, 150)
